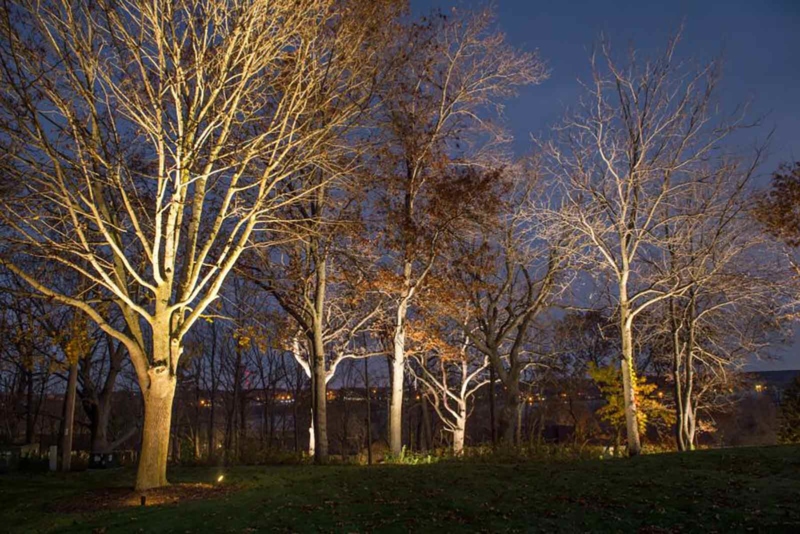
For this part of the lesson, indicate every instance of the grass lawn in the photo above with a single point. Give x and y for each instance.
(733, 490)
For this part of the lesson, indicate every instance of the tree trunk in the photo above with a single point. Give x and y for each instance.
(69, 417)
(311, 441)
(369, 411)
(629, 385)
(212, 397)
(461, 429)
(677, 355)
(30, 419)
(158, 397)
(320, 411)
(427, 426)
(508, 414)
(99, 428)
(396, 398)
(492, 423)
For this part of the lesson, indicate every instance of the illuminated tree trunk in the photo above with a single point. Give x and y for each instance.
(398, 375)
(396, 399)
(458, 435)
(311, 440)
(688, 420)
(158, 393)
(460, 429)
(158, 397)
(629, 380)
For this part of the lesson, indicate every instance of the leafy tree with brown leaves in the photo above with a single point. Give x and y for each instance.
(779, 209)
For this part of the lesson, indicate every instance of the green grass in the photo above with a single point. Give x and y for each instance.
(733, 490)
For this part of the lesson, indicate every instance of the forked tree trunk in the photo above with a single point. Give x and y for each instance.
(158, 396)
(629, 386)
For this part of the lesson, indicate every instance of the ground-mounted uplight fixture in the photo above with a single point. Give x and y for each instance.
(220, 479)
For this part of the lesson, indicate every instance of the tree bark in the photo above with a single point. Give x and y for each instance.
(97, 406)
(212, 396)
(312, 449)
(320, 412)
(458, 436)
(158, 397)
(399, 362)
(508, 414)
(396, 398)
(629, 384)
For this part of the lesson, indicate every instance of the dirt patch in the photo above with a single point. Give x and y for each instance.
(114, 498)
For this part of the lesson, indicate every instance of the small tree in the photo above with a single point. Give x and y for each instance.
(443, 360)
(651, 409)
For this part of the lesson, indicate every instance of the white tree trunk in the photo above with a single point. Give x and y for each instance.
(458, 433)
(396, 399)
(311, 440)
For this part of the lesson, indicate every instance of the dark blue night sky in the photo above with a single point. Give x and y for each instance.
(759, 41)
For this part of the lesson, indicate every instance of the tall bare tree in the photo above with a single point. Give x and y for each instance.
(641, 130)
(153, 139)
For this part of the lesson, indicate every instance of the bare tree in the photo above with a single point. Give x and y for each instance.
(631, 148)
(450, 372)
(153, 140)
(738, 294)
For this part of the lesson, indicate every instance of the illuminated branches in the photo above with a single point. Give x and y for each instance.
(623, 162)
(153, 140)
